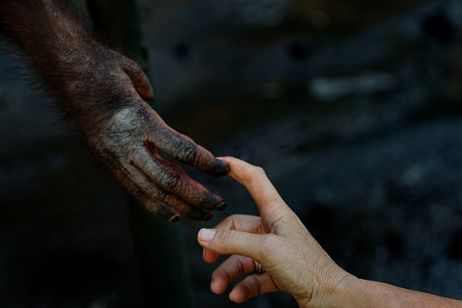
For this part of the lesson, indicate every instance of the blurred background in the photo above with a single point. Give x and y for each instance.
(353, 108)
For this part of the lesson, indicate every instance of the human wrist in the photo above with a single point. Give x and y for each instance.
(353, 292)
(344, 293)
(334, 292)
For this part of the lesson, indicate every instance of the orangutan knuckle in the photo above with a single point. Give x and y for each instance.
(188, 152)
(124, 118)
(152, 206)
(122, 130)
(170, 181)
(155, 193)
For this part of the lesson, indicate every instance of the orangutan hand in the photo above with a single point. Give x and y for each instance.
(131, 139)
(105, 94)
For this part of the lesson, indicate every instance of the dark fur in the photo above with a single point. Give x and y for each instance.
(56, 42)
(91, 82)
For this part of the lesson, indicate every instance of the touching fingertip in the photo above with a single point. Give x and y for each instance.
(219, 168)
(212, 202)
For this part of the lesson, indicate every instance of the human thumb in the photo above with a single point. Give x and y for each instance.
(231, 242)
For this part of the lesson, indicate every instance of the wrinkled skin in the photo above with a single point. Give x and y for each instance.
(129, 142)
(106, 96)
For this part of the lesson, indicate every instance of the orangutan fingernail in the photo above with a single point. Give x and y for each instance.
(221, 206)
(206, 235)
(211, 202)
(220, 168)
(174, 219)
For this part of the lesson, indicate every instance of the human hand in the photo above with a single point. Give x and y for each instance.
(294, 262)
(129, 137)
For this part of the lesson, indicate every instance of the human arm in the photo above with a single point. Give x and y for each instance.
(105, 95)
(293, 260)
(355, 292)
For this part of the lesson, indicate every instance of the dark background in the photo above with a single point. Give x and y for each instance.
(353, 108)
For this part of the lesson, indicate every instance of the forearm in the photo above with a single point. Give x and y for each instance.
(355, 293)
(57, 45)
(49, 33)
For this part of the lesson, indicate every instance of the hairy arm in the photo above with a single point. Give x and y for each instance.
(106, 95)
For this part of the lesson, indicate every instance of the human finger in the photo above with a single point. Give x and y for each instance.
(231, 242)
(244, 223)
(251, 286)
(231, 269)
(270, 204)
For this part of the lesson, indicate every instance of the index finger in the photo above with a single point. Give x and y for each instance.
(269, 202)
(184, 149)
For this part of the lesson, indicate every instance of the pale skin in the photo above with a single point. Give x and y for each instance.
(293, 259)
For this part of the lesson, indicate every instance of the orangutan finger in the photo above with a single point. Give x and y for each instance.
(139, 79)
(167, 212)
(150, 203)
(172, 178)
(186, 209)
(185, 150)
(156, 193)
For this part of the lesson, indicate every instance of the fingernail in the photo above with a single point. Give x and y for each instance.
(206, 235)
(174, 218)
(221, 206)
(211, 202)
(220, 168)
(211, 284)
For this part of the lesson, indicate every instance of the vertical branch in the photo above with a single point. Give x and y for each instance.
(162, 269)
